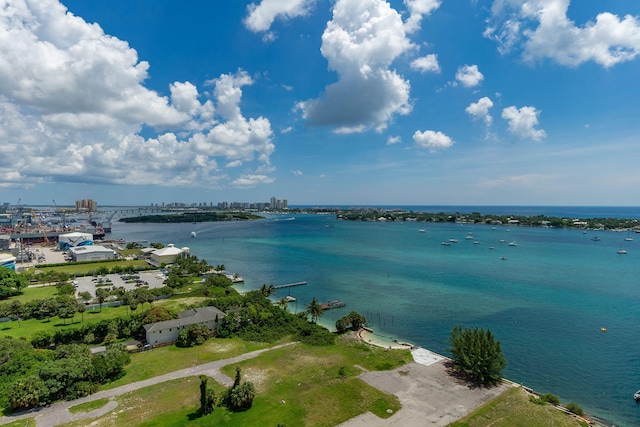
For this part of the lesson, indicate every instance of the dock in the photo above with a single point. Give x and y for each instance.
(290, 285)
(332, 304)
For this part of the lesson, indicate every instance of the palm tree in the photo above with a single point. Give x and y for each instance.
(267, 290)
(283, 303)
(314, 309)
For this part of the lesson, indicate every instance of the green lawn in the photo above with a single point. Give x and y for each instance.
(36, 292)
(89, 406)
(73, 268)
(305, 378)
(162, 360)
(513, 409)
(27, 328)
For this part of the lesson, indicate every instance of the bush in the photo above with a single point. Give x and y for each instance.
(550, 398)
(192, 336)
(575, 408)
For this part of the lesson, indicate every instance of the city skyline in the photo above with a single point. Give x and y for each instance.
(345, 102)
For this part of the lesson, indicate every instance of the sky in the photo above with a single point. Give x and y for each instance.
(320, 102)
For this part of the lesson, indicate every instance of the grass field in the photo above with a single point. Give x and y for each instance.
(513, 409)
(162, 360)
(73, 268)
(36, 292)
(307, 379)
(27, 328)
(89, 406)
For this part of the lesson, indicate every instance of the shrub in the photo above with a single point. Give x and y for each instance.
(550, 398)
(575, 408)
(193, 335)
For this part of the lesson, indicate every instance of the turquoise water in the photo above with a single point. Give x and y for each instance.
(546, 302)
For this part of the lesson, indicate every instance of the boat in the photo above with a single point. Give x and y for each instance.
(628, 239)
(446, 243)
(193, 234)
(469, 237)
(503, 258)
(636, 396)
(452, 240)
(289, 298)
(596, 239)
(622, 252)
(513, 243)
(422, 230)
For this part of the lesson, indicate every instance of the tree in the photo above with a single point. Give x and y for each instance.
(477, 355)
(267, 290)
(314, 309)
(67, 308)
(85, 296)
(11, 283)
(207, 397)
(283, 303)
(354, 320)
(193, 335)
(16, 309)
(101, 296)
(239, 396)
(81, 308)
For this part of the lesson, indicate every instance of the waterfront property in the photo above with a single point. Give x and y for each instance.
(167, 255)
(168, 330)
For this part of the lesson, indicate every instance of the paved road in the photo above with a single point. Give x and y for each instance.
(58, 413)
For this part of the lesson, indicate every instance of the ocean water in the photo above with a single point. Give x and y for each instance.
(546, 302)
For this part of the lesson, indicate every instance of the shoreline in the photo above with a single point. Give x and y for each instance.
(368, 336)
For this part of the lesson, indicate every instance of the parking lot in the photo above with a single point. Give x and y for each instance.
(153, 279)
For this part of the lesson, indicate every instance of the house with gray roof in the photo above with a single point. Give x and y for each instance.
(168, 330)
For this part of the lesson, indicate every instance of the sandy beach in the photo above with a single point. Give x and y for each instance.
(370, 337)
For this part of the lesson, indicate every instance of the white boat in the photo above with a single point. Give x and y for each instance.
(453, 240)
(629, 239)
(193, 234)
(622, 252)
(513, 243)
(636, 396)
(596, 239)
(446, 243)
(422, 230)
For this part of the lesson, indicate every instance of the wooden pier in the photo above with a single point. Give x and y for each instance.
(290, 285)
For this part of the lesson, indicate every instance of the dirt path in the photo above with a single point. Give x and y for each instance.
(58, 413)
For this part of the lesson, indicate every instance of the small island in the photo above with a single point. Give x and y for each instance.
(191, 217)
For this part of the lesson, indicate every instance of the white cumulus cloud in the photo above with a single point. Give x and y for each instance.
(542, 29)
(261, 16)
(360, 43)
(417, 9)
(425, 64)
(432, 140)
(394, 140)
(469, 75)
(522, 122)
(73, 103)
(480, 110)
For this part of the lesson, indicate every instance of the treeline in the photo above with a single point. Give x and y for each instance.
(32, 377)
(66, 306)
(192, 217)
(478, 218)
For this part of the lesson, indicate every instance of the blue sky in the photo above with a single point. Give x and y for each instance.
(414, 102)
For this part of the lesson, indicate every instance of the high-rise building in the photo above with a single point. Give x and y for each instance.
(86, 205)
